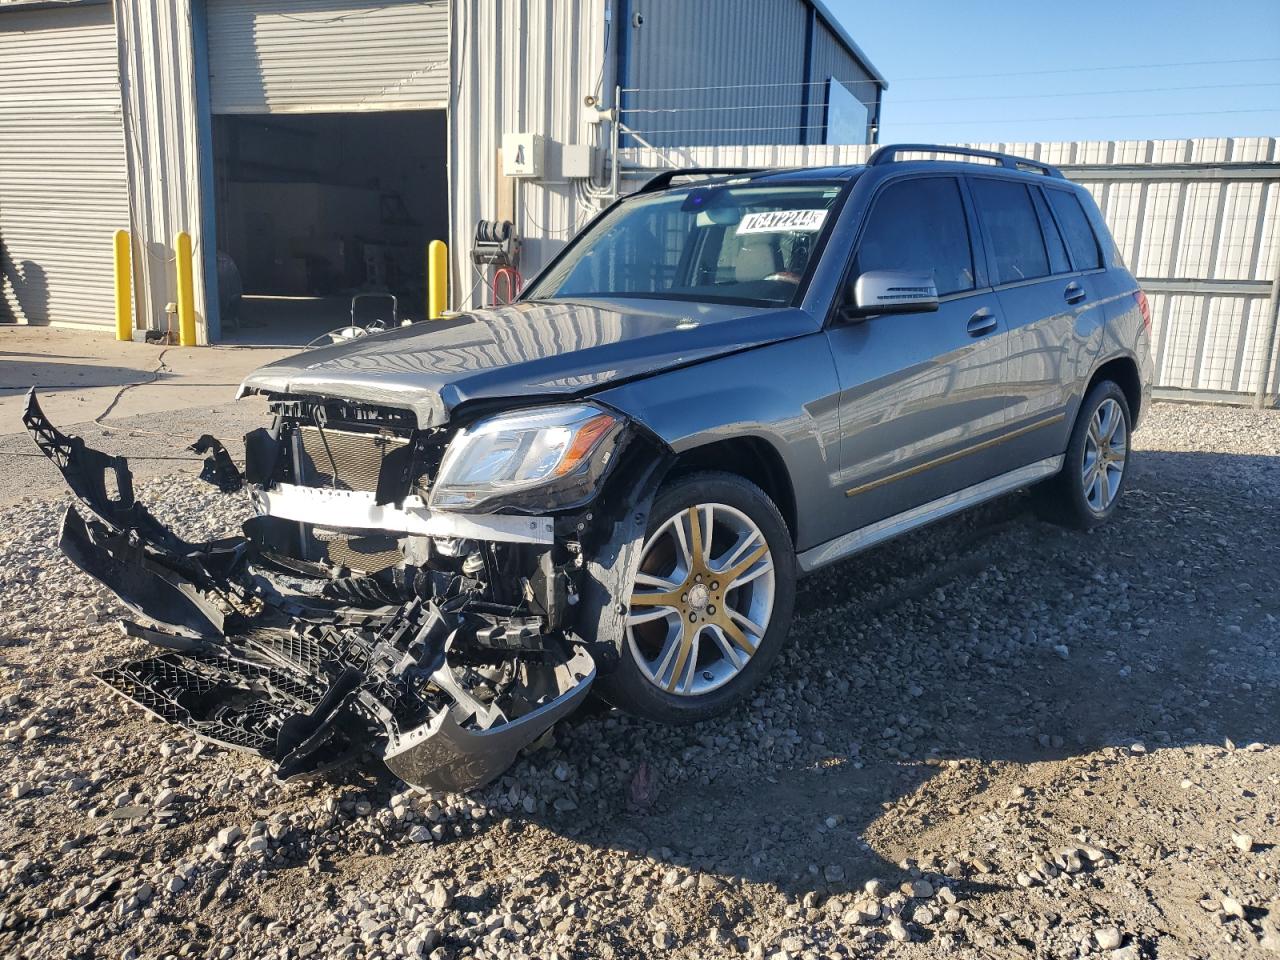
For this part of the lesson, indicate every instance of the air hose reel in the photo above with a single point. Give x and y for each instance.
(496, 244)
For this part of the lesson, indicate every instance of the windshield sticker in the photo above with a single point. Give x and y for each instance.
(783, 221)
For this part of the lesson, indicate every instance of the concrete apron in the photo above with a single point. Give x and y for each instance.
(85, 376)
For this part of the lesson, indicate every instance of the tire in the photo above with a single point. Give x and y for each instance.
(1080, 496)
(663, 673)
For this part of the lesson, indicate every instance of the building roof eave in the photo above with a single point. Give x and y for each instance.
(847, 42)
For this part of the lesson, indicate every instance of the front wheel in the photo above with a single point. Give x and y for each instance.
(1096, 464)
(711, 604)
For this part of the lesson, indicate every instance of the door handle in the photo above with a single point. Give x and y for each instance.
(981, 323)
(1074, 292)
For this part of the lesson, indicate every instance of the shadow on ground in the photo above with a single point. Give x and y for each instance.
(51, 376)
(990, 637)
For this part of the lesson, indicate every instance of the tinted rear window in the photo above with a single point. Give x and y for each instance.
(919, 226)
(1010, 218)
(1075, 225)
(1058, 262)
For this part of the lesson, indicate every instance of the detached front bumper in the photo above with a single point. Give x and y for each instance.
(436, 670)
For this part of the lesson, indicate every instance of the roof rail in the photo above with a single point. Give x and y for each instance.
(889, 153)
(663, 180)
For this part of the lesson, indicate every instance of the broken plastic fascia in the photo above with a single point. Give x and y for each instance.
(461, 756)
(352, 509)
(428, 408)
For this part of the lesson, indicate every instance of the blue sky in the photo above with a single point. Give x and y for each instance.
(915, 43)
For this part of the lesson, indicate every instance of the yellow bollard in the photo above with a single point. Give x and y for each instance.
(186, 293)
(124, 277)
(437, 279)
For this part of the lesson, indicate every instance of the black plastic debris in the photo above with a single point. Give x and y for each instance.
(438, 669)
(219, 469)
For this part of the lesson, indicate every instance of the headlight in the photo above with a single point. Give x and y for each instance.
(545, 457)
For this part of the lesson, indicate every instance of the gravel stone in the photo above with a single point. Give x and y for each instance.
(924, 726)
(920, 889)
(440, 897)
(898, 930)
(1108, 938)
(1233, 907)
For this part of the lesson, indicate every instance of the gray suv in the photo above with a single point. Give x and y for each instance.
(729, 379)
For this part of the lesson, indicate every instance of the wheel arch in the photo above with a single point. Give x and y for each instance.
(1123, 371)
(751, 457)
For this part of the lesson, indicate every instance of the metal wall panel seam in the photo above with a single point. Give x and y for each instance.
(1218, 226)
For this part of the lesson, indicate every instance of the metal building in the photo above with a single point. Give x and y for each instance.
(313, 147)
(719, 72)
(62, 164)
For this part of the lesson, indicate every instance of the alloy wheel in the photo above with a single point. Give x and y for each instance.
(1106, 450)
(702, 601)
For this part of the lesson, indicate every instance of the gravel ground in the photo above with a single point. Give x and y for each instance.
(994, 738)
(24, 470)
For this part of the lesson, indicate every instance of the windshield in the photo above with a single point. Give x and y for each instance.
(724, 243)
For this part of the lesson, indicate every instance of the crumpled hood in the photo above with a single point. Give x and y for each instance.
(534, 349)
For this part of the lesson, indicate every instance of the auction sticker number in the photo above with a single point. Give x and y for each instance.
(783, 221)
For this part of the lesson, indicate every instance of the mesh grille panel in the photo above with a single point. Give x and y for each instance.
(368, 554)
(222, 698)
(343, 459)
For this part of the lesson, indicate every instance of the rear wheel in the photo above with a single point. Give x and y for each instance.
(1096, 464)
(711, 604)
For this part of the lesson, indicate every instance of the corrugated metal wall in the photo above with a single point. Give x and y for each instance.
(527, 65)
(327, 56)
(518, 65)
(722, 43)
(831, 59)
(163, 145)
(732, 72)
(63, 186)
(1205, 249)
(1198, 222)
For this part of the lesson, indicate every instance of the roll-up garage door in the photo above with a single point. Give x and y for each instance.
(328, 56)
(63, 181)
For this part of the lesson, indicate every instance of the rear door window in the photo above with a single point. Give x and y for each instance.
(1075, 225)
(919, 226)
(1058, 262)
(1009, 217)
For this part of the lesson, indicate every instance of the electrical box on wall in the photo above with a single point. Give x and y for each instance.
(576, 161)
(522, 154)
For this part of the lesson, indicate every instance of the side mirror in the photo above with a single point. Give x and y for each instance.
(890, 291)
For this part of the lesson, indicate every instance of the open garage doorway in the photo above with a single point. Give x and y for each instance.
(315, 209)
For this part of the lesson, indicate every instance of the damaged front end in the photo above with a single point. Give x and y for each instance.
(354, 614)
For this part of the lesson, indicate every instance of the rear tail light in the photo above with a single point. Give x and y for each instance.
(1144, 308)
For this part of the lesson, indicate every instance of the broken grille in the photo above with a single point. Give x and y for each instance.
(221, 698)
